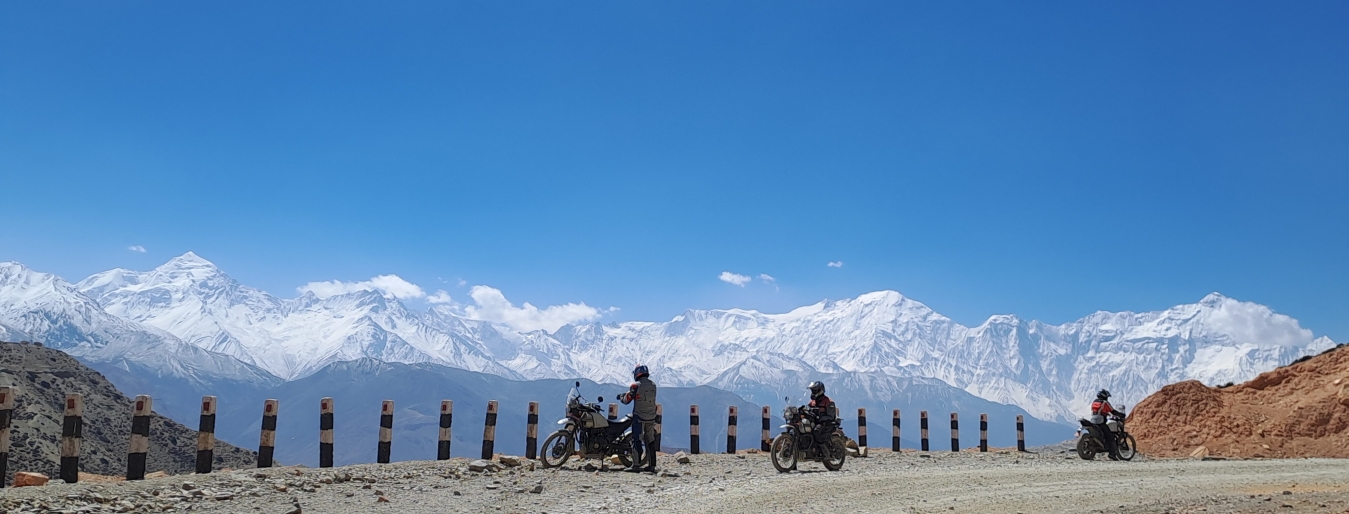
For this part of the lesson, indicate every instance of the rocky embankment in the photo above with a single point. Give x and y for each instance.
(42, 377)
(1299, 410)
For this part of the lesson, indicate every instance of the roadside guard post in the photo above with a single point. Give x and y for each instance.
(922, 427)
(326, 433)
(894, 431)
(446, 420)
(385, 432)
(72, 429)
(6, 413)
(861, 426)
(489, 430)
(764, 438)
(206, 435)
(1020, 434)
(731, 423)
(955, 432)
(140, 438)
(532, 431)
(693, 429)
(267, 438)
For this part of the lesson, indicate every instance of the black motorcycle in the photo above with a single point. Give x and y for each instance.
(806, 436)
(1091, 441)
(588, 433)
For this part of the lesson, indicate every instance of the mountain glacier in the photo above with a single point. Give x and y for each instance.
(877, 346)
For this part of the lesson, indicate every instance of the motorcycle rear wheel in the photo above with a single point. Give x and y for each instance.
(783, 452)
(836, 451)
(1085, 449)
(1128, 448)
(557, 449)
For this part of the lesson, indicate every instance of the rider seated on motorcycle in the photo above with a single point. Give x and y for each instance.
(1101, 407)
(642, 396)
(821, 407)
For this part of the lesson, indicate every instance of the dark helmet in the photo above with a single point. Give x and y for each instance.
(1103, 395)
(816, 388)
(640, 371)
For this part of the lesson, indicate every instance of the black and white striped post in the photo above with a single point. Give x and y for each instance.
(764, 440)
(267, 437)
(895, 431)
(861, 427)
(693, 429)
(532, 431)
(489, 431)
(206, 435)
(72, 429)
(613, 411)
(326, 432)
(660, 418)
(983, 432)
(6, 414)
(446, 422)
(1020, 434)
(732, 422)
(955, 432)
(922, 427)
(385, 432)
(140, 438)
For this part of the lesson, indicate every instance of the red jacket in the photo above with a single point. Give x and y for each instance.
(1102, 407)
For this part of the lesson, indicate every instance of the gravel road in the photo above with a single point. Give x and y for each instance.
(885, 482)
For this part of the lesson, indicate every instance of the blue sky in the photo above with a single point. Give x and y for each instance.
(1046, 160)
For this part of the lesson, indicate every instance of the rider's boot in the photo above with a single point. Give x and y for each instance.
(650, 462)
(636, 463)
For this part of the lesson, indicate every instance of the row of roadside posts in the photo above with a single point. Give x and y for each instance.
(72, 428)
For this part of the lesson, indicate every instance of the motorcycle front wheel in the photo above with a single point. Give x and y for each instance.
(1128, 448)
(835, 452)
(1085, 448)
(557, 449)
(783, 452)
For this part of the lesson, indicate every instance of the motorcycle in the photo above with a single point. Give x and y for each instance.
(588, 433)
(1091, 441)
(805, 436)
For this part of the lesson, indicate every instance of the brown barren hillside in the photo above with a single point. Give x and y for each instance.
(1299, 410)
(41, 378)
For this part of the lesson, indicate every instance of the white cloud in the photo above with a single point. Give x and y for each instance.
(136, 248)
(835, 264)
(768, 279)
(491, 305)
(462, 282)
(392, 285)
(440, 297)
(734, 278)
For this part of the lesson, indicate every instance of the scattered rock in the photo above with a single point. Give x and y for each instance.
(480, 466)
(537, 489)
(509, 461)
(25, 479)
(1199, 453)
(681, 458)
(381, 499)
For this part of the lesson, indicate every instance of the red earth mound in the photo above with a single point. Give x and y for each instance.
(1299, 410)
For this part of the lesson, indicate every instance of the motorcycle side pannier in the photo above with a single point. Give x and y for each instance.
(1097, 419)
(1115, 426)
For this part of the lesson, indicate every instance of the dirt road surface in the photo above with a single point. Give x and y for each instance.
(885, 482)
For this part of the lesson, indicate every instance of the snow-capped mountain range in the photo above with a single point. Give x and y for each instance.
(188, 318)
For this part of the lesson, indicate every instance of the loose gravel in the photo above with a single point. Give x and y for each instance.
(884, 482)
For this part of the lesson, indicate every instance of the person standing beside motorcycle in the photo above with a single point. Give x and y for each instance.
(642, 396)
(1100, 412)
